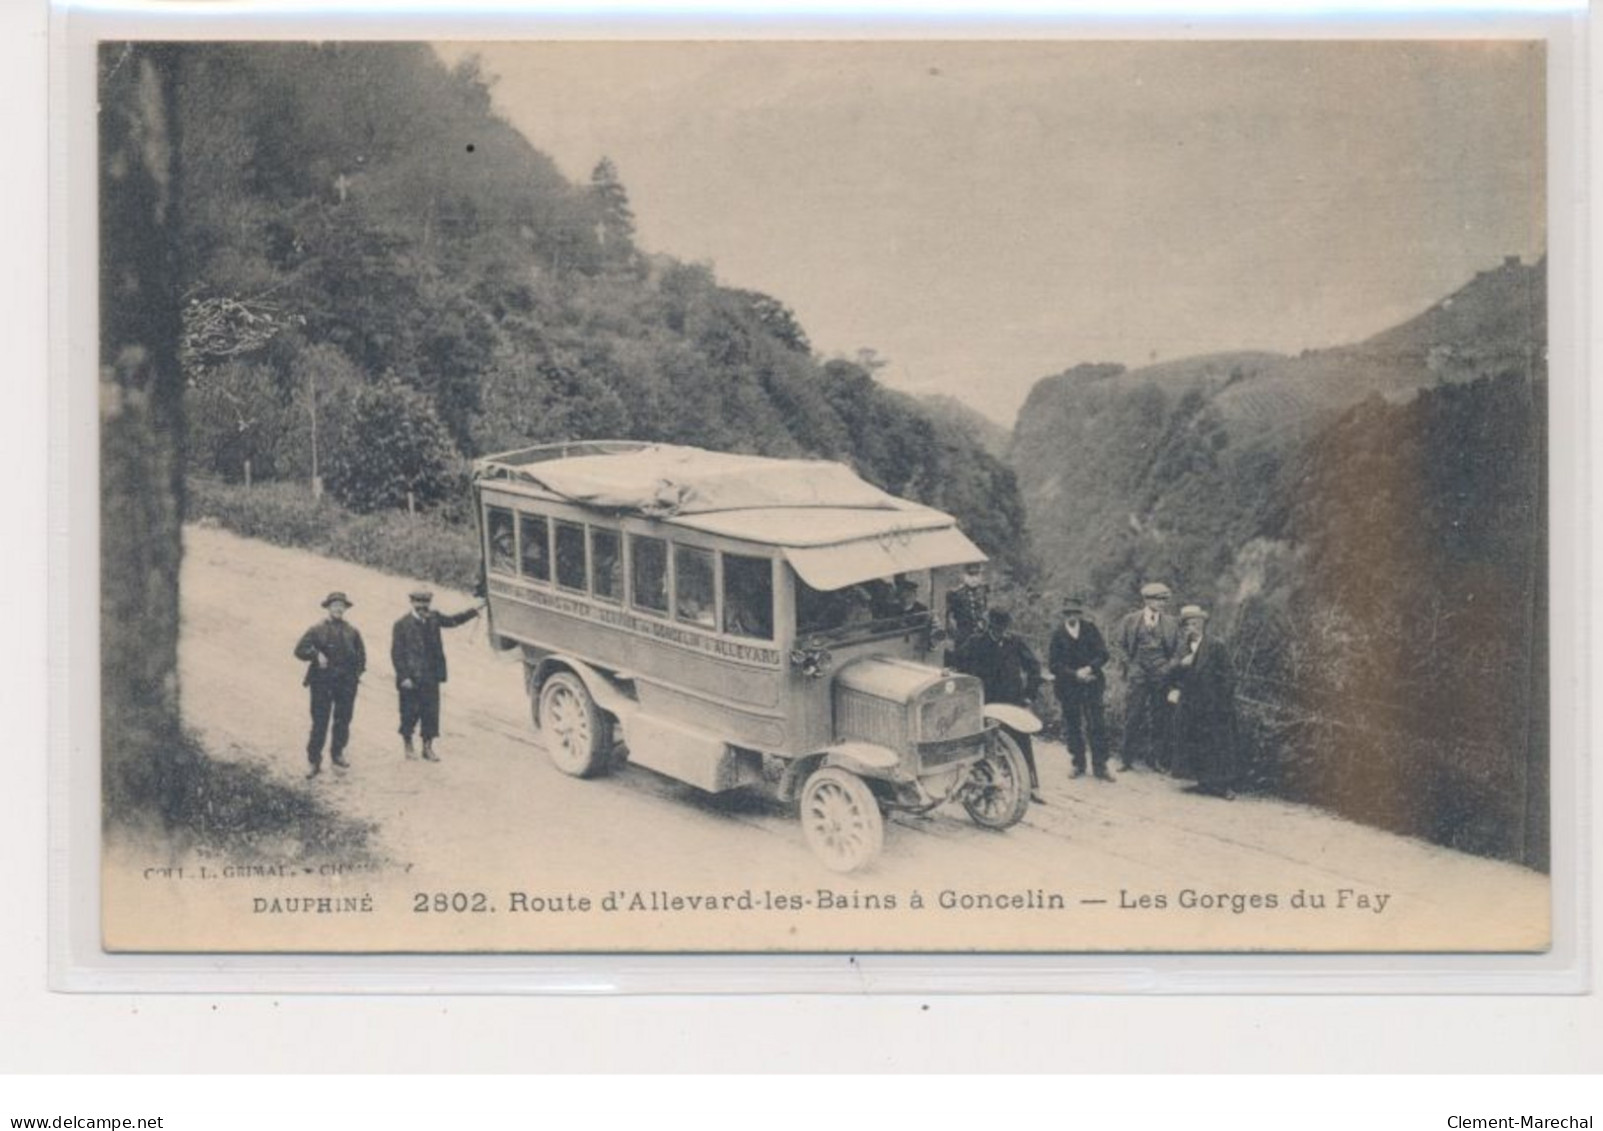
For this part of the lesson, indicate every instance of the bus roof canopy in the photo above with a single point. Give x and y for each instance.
(834, 528)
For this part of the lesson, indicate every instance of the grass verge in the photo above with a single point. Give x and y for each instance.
(428, 547)
(165, 782)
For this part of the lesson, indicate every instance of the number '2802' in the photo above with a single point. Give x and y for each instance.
(441, 902)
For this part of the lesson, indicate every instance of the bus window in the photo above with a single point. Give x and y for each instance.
(606, 564)
(498, 528)
(648, 565)
(833, 611)
(748, 597)
(536, 557)
(817, 611)
(693, 592)
(570, 556)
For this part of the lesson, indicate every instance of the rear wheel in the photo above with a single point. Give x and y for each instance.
(998, 791)
(578, 737)
(841, 821)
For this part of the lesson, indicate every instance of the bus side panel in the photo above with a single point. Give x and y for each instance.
(684, 753)
(757, 731)
(729, 698)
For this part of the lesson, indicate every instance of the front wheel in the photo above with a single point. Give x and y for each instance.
(577, 735)
(998, 791)
(841, 821)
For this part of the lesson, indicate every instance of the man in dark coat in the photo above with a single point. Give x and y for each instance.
(1075, 658)
(419, 661)
(1149, 643)
(335, 660)
(1204, 695)
(1007, 668)
(904, 598)
(966, 607)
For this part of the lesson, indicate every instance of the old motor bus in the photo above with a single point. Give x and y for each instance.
(738, 622)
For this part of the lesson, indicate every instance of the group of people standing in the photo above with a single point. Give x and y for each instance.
(1179, 685)
(335, 659)
(1179, 713)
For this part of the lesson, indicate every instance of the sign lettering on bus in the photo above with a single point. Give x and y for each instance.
(620, 618)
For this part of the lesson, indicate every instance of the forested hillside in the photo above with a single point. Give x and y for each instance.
(1366, 524)
(375, 265)
(994, 437)
(1163, 469)
(1391, 617)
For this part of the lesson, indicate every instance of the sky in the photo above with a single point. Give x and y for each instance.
(985, 214)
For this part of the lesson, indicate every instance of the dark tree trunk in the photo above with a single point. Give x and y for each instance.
(141, 421)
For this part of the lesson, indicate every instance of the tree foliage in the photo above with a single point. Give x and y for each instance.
(237, 420)
(1376, 574)
(615, 220)
(363, 202)
(1406, 639)
(392, 446)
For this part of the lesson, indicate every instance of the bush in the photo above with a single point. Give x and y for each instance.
(282, 513)
(427, 547)
(422, 548)
(392, 444)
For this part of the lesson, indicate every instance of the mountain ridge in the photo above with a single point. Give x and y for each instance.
(1365, 524)
(1495, 318)
(1111, 461)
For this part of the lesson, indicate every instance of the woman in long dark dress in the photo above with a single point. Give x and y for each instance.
(1204, 695)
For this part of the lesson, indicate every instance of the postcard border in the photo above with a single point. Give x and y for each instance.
(78, 964)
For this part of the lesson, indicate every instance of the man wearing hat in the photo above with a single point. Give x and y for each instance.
(1149, 643)
(966, 607)
(906, 596)
(419, 661)
(1075, 658)
(1204, 694)
(1008, 670)
(335, 659)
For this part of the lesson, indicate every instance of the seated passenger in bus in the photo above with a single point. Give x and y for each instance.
(907, 603)
(882, 598)
(746, 614)
(858, 605)
(817, 610)
(834, 610)
(748, 597)
(503, 556)
(693, 599)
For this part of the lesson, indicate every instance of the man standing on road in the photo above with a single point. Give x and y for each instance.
(335, 659)
(419, 661)
(966, 607)
(1075, 658)
(1204, 695)
(1149, 640)
(1008, 670)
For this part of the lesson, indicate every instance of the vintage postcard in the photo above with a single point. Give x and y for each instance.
(801, 496)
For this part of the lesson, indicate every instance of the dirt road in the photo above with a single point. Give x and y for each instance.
(1136, 864)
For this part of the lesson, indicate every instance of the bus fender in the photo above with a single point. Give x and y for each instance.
(864, 759)
(608, 696)
(1014, 718)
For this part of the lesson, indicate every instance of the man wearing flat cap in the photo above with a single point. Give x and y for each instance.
(419, 660)
(1204, 695)
(1149, 644)
(1075, 658)
(335, 659)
